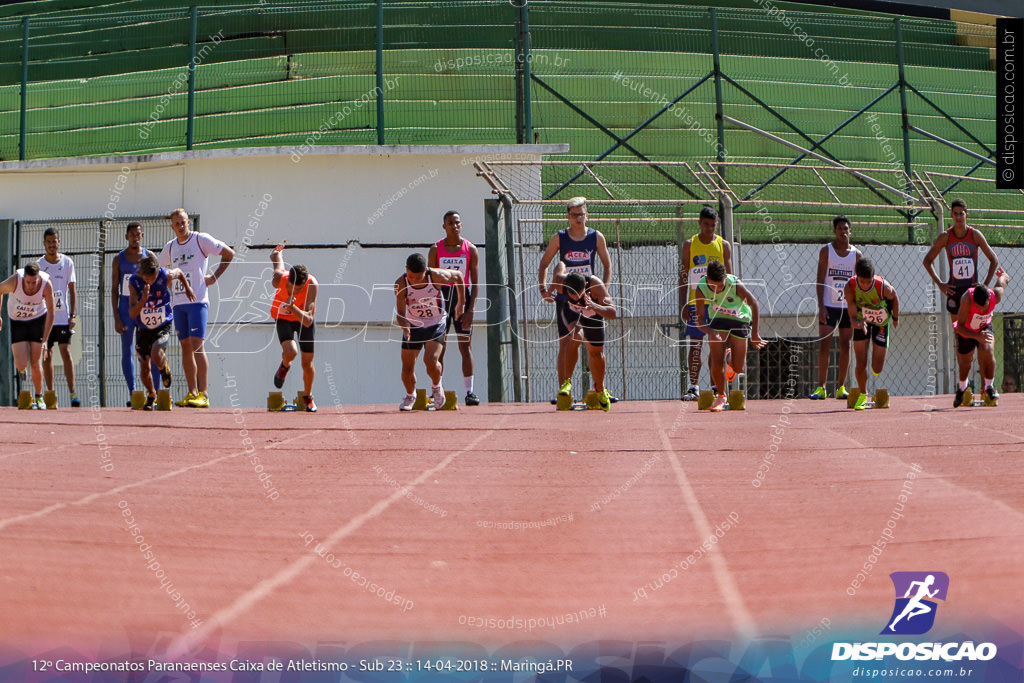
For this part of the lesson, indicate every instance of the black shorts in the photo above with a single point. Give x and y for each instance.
(451, 297)
(953, 302)
(592, 328)
(59, 334)
(419, 336)
(286, 329)
(878, 335)
(735, 328)
(28, 330)
(837, 317)
(965, 345)
(146, 339)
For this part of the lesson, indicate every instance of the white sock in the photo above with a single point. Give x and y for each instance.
(988, 382)
(963, 385)
(469, 384)
(410, 395)
(435, 387)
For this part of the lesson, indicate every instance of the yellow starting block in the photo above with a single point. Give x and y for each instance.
(138, 400)
(24, 400)
(276, 404)
(592, 401)
(705, 399)
(451, 401)
(50, 399)
(879, 400)
(970, 400)
(737, 400)
(565, 402)
(163, 399)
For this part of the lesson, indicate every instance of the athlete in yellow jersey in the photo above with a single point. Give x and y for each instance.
(698, 251)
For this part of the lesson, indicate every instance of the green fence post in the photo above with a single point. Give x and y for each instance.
(380, 72)
(193, 28)
(524, 27)
(719, 110)
(517, 70)
(905, 117)
(24, 89)
(6, 366)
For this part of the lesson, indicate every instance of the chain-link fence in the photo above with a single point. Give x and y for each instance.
(96, 347)
(776, 243)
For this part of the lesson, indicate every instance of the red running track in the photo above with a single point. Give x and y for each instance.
(467, 519)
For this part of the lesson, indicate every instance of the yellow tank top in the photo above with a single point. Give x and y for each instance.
(700, 255)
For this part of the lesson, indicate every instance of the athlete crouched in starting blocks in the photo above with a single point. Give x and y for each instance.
(149, 305)
(973, 328)
(874, 306)
(733, 317)
(582, 304)
(293, 309)
(423, 319)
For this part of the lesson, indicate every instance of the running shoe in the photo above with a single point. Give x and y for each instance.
(841, 392)
(471, 399)
(959, 398)
(150, 401)
(75, 403)
(200, 401)
(310, 406)
(566, 388)
(279, 376)
(991, 392)
(818, 394)
(438, 397)
(862, 402)
(128, 404)
(183, 403)
(692, 394)
(406, 403)
(38, 403)
(165, 374)
(719, 404)
(604, 399)
(730, 373)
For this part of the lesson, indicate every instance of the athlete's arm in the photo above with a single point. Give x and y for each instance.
(179, 275)
(72, 304)
(993, 260)
(1000, 287)
(403, 322)
(701, 304)
(306, 316)
(226, 256)
(889, 292)
(48, 297)
(684, 277)
(432, 261)
(755, 315)
(278, 262)
(606, 259)
(822, 269)
(852, 308)
(7, 287)
(963, 318)
(472, 292)
(727, 255)
(545, 261)
(446, 276)
(929, 264)
(603, 304)
(115, 291)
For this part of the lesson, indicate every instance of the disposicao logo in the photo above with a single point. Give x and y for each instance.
(916, 595)
(916, 605)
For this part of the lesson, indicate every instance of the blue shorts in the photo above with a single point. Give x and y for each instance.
(692, 330)
(190, 320)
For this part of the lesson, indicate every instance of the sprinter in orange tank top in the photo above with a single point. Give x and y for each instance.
(293, 309)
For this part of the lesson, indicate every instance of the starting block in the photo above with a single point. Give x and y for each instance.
(705, 399)
(451, 401)
(50, 399)
(163, 399)
(879, 400)
(276, 404)
(565, 402)
(972, 401)
(592, 401)
(138, 400)
(24, 400)
(737, 400)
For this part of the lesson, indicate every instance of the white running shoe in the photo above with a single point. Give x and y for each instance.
(438, 396)
(406, 403)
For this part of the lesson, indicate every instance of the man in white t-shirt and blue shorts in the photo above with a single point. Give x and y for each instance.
(190, 251)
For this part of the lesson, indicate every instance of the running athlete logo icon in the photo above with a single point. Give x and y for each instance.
(914, 612)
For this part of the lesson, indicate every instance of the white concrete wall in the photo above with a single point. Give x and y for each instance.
(353, 215)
